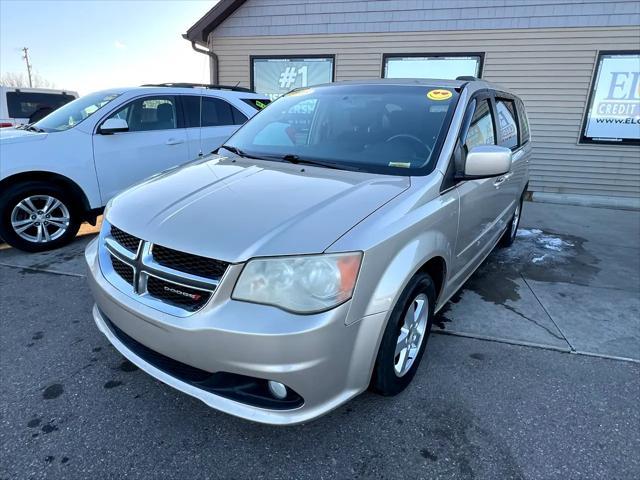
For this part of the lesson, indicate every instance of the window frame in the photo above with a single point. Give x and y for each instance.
(387, 56)
(583, 139)
(331, 57)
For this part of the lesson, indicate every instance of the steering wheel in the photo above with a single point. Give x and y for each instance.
(416, 143)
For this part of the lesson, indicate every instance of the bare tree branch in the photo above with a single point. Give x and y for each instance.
(20, 80)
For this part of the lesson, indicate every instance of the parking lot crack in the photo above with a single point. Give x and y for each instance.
(27, 269)
(563, 336)
(537, 324)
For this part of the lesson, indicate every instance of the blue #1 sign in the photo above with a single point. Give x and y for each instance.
(614, 111)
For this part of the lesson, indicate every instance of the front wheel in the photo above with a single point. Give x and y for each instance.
(37, 216)
(405, 337)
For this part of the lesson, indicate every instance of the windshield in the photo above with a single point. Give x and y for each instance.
(389, 129)
(75, 112)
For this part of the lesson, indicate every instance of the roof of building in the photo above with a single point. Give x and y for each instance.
(199, 31)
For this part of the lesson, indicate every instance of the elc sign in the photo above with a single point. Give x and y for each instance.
(614, 109)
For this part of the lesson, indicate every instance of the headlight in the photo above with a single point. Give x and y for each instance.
(305, 284)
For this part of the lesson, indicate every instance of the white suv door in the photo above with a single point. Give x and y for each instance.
(153, 143)
(211, 121)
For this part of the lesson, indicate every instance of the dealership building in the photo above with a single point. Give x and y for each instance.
(575, 63)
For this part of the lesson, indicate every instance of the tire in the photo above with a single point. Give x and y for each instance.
(47, 199)
(389, 376)
(509, 235)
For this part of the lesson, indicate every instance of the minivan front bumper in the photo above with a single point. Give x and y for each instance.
(319, 357)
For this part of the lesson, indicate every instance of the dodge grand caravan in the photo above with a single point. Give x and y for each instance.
(304, 262)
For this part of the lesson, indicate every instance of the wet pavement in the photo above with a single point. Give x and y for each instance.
(72, 407)
(571, 281)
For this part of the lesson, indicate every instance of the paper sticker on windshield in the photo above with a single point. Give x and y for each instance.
(302, 91)
(439, 94)
(400, 164)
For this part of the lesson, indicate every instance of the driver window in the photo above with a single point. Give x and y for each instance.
(481, 130)
(149, 113)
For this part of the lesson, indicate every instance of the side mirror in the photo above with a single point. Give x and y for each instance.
(484, 161)
(113, 125)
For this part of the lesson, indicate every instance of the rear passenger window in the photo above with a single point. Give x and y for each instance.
(24, 104)
(525, 136)
(508, 124)
(191, 106)
(216, 113)
(481, 130)
(238, 117)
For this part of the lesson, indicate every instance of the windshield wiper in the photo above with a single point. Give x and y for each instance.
(33, 128)
(239, 152)
(318, 163)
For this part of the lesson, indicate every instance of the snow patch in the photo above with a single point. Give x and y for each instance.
(523, 232)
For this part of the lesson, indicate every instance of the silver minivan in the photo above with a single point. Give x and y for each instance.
(304, 261)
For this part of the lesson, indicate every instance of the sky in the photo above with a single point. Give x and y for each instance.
(89, 45)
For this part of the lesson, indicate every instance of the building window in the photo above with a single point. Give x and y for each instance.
(275, 76)
(613, 110)
(446, 66)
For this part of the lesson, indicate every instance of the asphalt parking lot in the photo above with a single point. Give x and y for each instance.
(534, 374)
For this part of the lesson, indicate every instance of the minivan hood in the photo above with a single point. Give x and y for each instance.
(235, 210)
(15, 135)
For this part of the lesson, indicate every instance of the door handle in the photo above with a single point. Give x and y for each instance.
(174, 141)
(500, 180)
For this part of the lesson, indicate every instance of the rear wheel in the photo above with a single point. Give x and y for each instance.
(405, 338)
(510, 233)
(38, 216)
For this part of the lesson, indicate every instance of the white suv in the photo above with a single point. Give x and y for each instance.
(61, 170)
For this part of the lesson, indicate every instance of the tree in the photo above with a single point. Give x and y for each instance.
(20, 80)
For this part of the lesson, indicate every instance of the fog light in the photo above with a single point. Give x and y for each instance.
(277, 389)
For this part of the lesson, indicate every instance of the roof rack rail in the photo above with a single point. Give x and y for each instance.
(467, 78)
(234, 88)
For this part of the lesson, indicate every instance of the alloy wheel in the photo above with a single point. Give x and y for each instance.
(411, 334)
(40, 218)
(516, 221)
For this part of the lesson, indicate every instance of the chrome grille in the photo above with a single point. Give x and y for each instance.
(176, 282)
(186, 262)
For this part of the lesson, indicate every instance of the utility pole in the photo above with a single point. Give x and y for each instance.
(25, 57)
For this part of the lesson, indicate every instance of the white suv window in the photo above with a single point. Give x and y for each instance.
(149, 113)
(215, 112)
